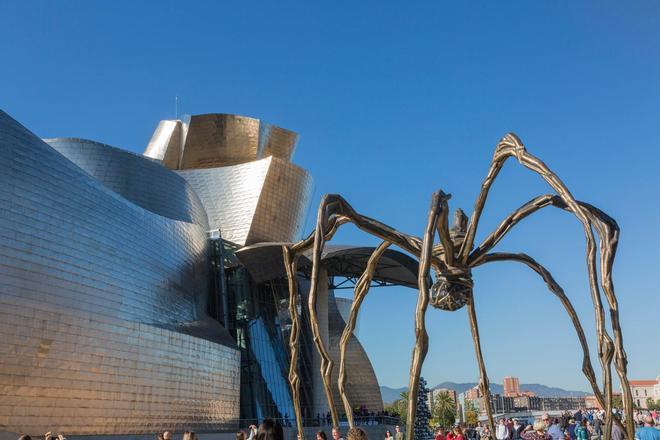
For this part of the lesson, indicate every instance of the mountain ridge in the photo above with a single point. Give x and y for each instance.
(391, 394)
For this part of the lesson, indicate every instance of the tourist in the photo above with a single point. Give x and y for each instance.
(438, 435)
(320, 435)
(501, 432)
(458, 433)
(648, 431)
(388, 435)
(536, 432)
(486, 434)
(553, 428)
(356, 433)
(253, 432)
(269, 430)
(398, 434)
(617, 429)
(167, 435)
(189, 435)
(509, 426)
(240, 435)
(581, 432)
(598, 427)
(25, 437)
(336, 434)
(159, 436)
(516, 430)
(570, 429)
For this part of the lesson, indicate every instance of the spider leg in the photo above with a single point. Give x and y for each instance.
(332, 213)
(438, 203)
(443, 230)
(484, 385)
(559, 292)
(608, 234)
(556, 289)
(510, 145)
(360, 292)
(291, 263)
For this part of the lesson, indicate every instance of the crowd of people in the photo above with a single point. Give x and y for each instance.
(581, 425)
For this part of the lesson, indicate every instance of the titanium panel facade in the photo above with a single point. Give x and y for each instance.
(143, 181)
(362, 387)
(92, 289)
(263, 200)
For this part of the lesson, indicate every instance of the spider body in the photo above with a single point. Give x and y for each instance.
(452, 259)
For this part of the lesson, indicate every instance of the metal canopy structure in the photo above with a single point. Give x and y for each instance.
(344, 264)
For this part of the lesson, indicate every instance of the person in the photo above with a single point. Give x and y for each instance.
(159, 436)
(388, 435)
(356, 433)
(554, 428)
(253, 432)
(167, 435)
(336, 434)
(536, 432)
(509, 427)
(458, 433)
(486, 434)
(648, 431)
(438, 435)
(598, 427)
(581, 432)
(240, 435)
(25, 437)
(269, 430)
(617, 430)
(501, 432)
(189, 435)
(570, 430)
(516, 430)
(399, 435)
(320, 435)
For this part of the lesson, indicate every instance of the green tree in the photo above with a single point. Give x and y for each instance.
(652, 404)
(471, 413)
(399, 407)
(444, 411)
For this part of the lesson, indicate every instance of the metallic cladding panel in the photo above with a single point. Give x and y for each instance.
(230, 196)
(220, 140)
(278, 142)
(362, 387)
(263, 200)
(88, 281)
(283, 204)
(166, 144)
(136, 178)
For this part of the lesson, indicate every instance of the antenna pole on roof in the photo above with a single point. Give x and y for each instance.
(176, 107)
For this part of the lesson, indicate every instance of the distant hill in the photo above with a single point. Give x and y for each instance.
(391, 394)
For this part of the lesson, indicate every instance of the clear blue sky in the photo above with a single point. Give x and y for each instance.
(394, 101)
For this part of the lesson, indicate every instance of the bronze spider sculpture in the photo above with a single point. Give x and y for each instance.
(452, 260)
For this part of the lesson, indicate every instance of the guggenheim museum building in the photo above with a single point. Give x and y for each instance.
(142, 293)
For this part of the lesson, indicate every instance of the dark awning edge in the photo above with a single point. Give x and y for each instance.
(264, 261)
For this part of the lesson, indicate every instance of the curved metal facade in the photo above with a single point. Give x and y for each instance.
(92, 290)
(263, 200)
(362, 387)
(136, 178)
(218, 140)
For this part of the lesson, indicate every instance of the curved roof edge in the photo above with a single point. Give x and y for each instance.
(264, 261)
(138, 179)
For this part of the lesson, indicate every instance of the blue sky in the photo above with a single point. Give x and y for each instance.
(394, 101)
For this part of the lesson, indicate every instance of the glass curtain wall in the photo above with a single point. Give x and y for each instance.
(260, 322)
